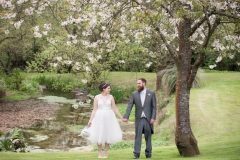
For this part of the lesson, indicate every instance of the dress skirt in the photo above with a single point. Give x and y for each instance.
(105, 127)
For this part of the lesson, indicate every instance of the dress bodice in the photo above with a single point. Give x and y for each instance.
(104, 102)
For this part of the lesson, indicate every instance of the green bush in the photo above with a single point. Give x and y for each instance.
(14, 79)
(120, 94)
(30, 86)
(3, 88)
(12, 141)
(58, 83)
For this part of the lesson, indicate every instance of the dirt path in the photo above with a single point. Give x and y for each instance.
(23, 114)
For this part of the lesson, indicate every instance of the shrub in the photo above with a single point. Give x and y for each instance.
(13, 141)
(3, 88)
(169, 79)
(119, 94)
(14, 79)
(30, 86)
(64, 84)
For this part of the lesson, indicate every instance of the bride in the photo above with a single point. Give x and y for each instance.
(104, 126)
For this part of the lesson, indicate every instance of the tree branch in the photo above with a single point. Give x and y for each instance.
(226, 15)
(200, 22)
(2, 40)
(201, 54)
(171, 52)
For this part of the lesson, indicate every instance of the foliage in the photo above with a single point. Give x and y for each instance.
(59, 83)
(30, 86)
(12, 141)
(169, 79)
(3, 88)
(119, 93)
(14, 79)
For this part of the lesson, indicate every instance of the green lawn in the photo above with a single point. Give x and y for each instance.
(215, 121)
(219, 150)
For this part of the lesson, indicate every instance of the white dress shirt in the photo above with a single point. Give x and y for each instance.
(142, 96)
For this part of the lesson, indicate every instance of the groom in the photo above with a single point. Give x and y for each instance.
(145, 115)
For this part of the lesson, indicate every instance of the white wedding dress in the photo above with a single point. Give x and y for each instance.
(105, 127)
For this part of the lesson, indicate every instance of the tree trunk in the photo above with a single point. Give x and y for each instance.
(184, 138)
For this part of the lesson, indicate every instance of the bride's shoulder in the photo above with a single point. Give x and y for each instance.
(97, 96)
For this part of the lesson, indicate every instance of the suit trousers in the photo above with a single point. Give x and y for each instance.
(143, 127)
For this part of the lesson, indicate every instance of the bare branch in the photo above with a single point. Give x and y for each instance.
(2, 40)
(226, 15)
(171, 52)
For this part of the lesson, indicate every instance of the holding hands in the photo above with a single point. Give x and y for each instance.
(124, 119)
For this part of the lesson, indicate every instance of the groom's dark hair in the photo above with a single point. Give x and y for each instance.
(143, 80)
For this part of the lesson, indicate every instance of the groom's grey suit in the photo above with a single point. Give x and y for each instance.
(142, 123)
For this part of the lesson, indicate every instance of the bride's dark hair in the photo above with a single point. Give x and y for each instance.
(103, 85)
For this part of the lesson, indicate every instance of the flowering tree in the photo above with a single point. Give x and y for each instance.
(179, 28)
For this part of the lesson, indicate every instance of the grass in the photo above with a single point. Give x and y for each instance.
(129, 79)
(221, 150)
(214, 112)
(19, 95)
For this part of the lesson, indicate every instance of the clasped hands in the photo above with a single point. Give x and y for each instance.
(126, 120)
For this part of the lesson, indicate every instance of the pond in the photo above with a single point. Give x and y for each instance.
(60, 133)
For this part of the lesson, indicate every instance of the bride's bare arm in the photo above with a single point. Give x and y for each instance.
(114, 107)
(93, 111)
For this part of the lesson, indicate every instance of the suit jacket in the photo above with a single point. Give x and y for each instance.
(149, 107)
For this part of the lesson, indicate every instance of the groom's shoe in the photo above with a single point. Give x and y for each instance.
(136, 156)
(148, 156)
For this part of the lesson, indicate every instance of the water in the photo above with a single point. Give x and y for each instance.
(59, 133)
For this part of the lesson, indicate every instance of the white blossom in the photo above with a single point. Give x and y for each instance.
(84, 81)
(88, 101)
(51, 40)
(18, 24)
(55, 64)
(103, 28)
(45, 32)
(219, 59)
(99, 57)
(47, 26)
(29, 11)
(127, 41)
(67, 62)
(74, 41)
(231, 56)
(59, 59)
(152, 54)
(87, 69)
(6, 31)
(37, 34)
(75, 106)
(148, 64)
(36, 28)
(80, 103)
(121, 61)
(212, 66)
